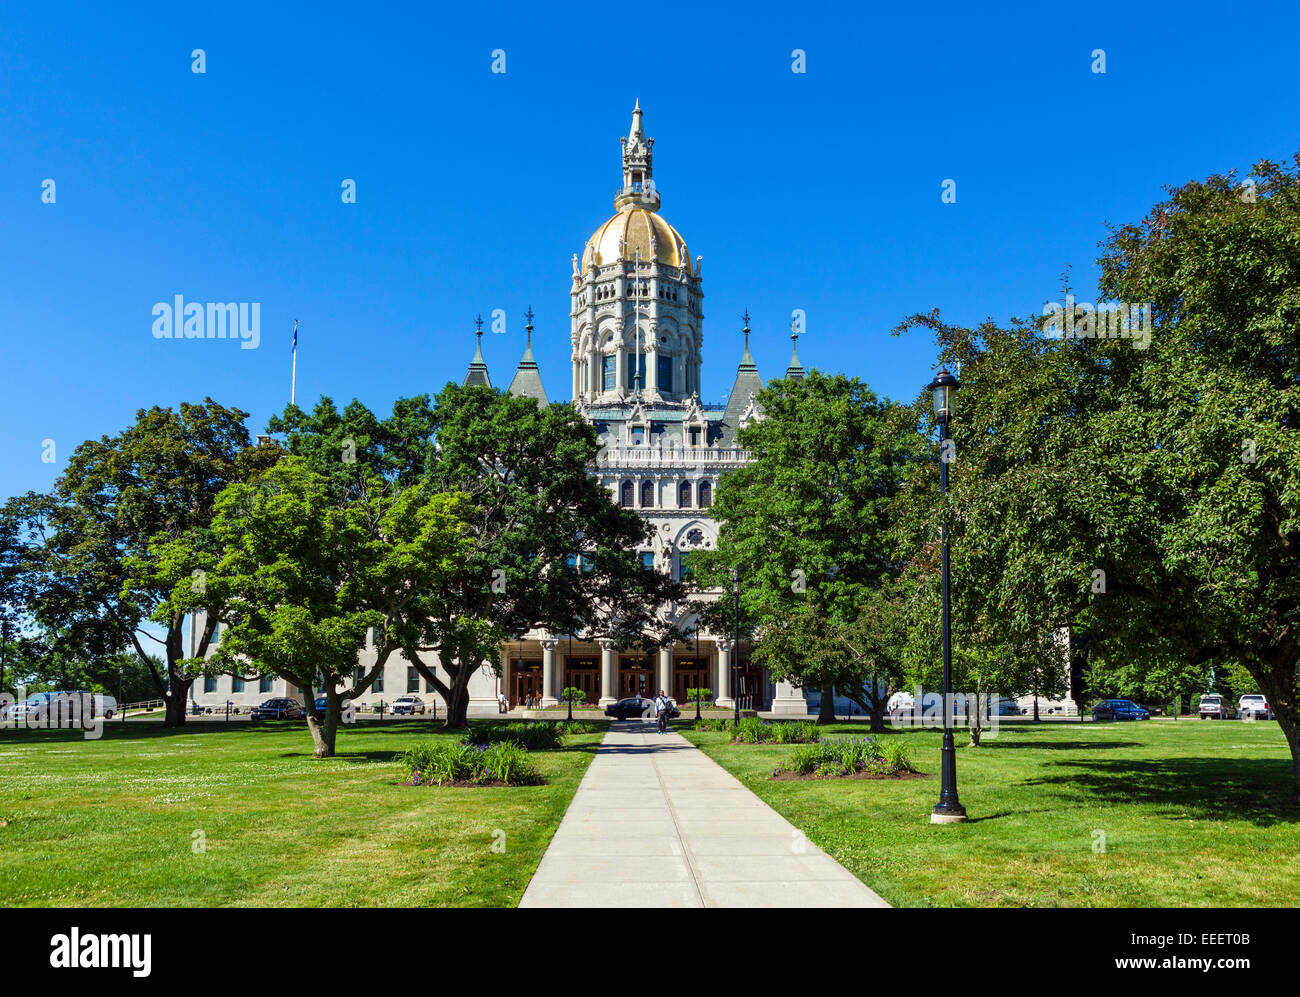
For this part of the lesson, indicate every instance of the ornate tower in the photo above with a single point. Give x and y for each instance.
(636, 301)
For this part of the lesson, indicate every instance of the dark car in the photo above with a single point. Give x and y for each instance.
(319, 706)
(636, 707)
(278, 709)
(1119, 709)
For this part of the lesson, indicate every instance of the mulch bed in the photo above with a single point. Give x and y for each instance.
(796, 777)
(464, 784)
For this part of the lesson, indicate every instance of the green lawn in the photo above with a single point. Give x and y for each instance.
(111, 822)
(1194, 814)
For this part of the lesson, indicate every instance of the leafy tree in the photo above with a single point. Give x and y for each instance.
(535, 509)
(302, 579)
(1149, 495)
(81, 556)
(806, 523)
(532, 506)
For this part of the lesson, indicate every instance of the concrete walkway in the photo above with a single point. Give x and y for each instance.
(657, 823)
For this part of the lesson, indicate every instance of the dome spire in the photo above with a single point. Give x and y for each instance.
(638, 168)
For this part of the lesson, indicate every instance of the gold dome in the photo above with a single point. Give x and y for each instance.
(634, 227)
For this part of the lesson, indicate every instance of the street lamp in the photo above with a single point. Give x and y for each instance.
(568, 665)
(698, 694)
(735, 665)
(949, 809)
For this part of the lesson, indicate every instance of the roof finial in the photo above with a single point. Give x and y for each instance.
(529, 327)
(747, 359)
(795, 370)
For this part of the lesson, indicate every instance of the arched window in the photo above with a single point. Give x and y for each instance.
(706, 495)
(684, 495)
(647, 494)
(625, 495)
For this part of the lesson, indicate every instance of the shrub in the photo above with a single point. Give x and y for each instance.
(576, 727)
(703, 695)
(713, 723)
(535, 735)
(847, 756)
(508, 763)
(439, 762)
(750, 730)
(572, 694)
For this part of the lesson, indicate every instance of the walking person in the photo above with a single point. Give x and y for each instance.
(502, 706)
(661, 711)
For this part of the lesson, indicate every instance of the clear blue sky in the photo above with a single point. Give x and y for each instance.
(818, 191)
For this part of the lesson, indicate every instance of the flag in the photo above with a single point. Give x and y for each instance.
(295, 337)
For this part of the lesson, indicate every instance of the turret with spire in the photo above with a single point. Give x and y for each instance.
(795, 371)
(528, 378)
(747, 383)
(478, 372)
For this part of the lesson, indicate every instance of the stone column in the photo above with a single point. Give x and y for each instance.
(548, 671)
(724, 673)
(666, 669)
(789, 700)
(608, 674)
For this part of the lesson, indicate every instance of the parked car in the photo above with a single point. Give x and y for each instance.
(1254, 706)
(636, 706)
(1213, 707)
(408, 704)
(1119, 709)
(92, 704)
(278, 709)
(320, 705)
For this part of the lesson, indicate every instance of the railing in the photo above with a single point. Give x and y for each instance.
(621, 456)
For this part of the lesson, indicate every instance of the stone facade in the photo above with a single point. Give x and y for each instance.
(636, 332)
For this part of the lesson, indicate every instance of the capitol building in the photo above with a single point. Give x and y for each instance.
(636, 336)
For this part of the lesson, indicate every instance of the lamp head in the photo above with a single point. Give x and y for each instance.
(943, 390)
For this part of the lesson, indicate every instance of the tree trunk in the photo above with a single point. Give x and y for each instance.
(176, 699)
(878, 702)
(1280, 686)
(827, 713)
(322, 734)
(458, 700)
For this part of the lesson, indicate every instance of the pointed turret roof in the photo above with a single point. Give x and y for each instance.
(477, 372)
(795, 371)
(527, 382)
(747, 382)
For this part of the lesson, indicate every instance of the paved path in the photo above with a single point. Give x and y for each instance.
(657, 823)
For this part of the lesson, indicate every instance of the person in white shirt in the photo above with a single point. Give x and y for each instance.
(662, 705)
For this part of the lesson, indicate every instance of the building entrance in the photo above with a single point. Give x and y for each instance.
(584, 674)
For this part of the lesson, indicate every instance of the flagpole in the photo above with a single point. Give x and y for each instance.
(293, 382)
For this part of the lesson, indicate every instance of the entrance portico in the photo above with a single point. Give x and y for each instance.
(545, 665)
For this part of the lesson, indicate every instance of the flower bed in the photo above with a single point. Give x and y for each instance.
(752, 730)
(532, 735)
(443, 763)
(847, 757)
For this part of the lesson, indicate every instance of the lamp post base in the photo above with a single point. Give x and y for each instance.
(948, 815)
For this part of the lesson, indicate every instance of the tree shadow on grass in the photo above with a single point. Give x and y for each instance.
(1253, 789)
(1061, 745)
